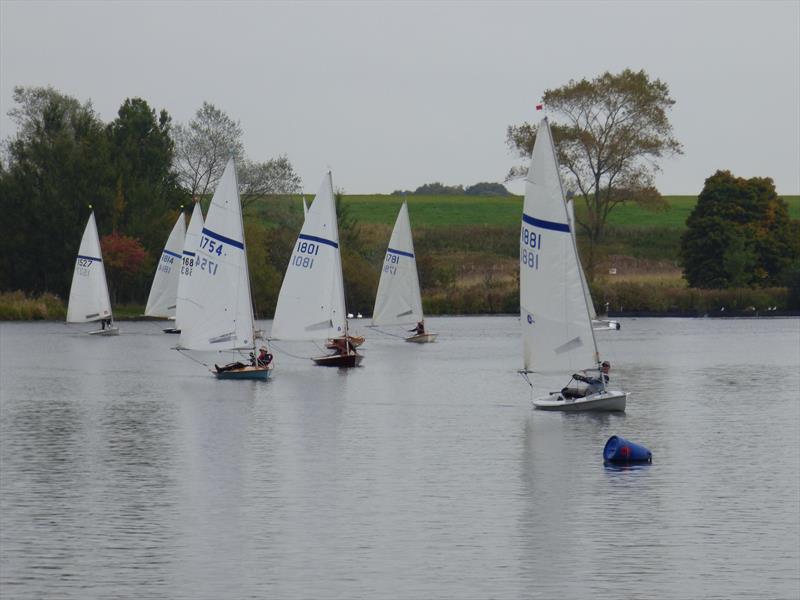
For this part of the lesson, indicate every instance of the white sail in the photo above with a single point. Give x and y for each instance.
(88, 295)
(219, 309)
(311, 301)
(556, 329)
(164, 291)
(586, 292)
(398, 300)
(190, 245)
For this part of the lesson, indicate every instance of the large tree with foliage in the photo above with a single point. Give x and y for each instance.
(203, 147)
(58, 163)
(275, 177)
(739, 234)
(147, 196)
(609, 134)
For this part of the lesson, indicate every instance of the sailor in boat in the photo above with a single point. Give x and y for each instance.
(264, 358)
(593, 384)
(105, 323)
(419, 329)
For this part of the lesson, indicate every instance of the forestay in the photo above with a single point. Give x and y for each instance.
(311, 301)
(190, 244)
(398, 300)
(88, 295)
(218, 308)
(556, 330)
(164, 291)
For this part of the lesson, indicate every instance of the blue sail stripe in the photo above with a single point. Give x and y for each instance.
(400, 252)
(187, 253)
(545, 224)
(313, 238)
(171, 253)
(223, 239)
(90, 258)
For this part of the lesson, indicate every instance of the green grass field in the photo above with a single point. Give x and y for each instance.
(438, 211)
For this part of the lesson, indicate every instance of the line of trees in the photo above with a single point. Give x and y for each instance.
(483, 188)
(135, 172)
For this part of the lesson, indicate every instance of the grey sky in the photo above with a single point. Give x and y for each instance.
(392, 95)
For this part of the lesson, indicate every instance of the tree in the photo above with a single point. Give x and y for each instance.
(614, 129)
(438, 189)
(487, 189)
(739, 234)
(125, 262)
(203, 147)
(147, 193)
(58, 163)
(274, 177)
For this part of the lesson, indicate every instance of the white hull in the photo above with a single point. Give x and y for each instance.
(610, 400)
(422, 338)
(107, 331)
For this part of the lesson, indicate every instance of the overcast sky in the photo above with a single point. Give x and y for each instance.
(391, 95)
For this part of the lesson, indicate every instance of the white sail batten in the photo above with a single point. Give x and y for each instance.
(190, 245)
(311, 301)
(398, 301)
(556, 329)
(88, 294)
(219, 309)
(164, 292)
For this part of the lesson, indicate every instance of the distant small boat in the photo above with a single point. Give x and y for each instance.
(217, 311)
(164, 291)
(311, 304)
(557, 330)
(398, 300)
(88, 294)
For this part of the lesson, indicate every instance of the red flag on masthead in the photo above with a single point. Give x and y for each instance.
(539, 106)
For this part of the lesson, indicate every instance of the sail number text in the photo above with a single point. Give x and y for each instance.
(207, 265)
(211, 246)
(390, 264)
(309, 249)
(186, 267)
(82, 267)
(531, 242)
(165, 266)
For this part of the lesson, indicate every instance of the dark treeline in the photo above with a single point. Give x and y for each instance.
(64, 159)
(483, 189)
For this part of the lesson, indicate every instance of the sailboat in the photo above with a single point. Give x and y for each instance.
(557, 329)
(216, 309)
(164, 291)
(597, 324)
(398, 301)
(88, 294)
(190, 243)
(311, 303)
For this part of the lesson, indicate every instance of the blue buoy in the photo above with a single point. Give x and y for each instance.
(619, 450)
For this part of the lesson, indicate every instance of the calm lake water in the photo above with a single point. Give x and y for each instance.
(127, 471)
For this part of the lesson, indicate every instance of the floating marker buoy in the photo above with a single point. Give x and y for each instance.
(619, 450)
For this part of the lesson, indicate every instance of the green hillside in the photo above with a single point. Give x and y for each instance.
(438, 211)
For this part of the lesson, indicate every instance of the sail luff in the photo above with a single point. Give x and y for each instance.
(398, 300)
(88, 296)
(163, 296)
(311, 303)
(218, 306)
(188, 254)
(556, 329)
